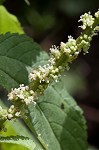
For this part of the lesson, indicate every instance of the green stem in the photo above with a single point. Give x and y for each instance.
(63, 58)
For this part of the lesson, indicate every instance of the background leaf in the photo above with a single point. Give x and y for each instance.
(58, 121)
(9, 22)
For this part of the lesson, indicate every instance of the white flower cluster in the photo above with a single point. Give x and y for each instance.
(44, 75)
(85, 42)
(54, 53)
(13, 112)
(97, 14)
(87, 20)
(21, 95)
(69, 48)
(47, 73)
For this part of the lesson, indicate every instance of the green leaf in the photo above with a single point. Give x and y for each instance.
(58, 121)
(15, 128)
(20, 140)
(9, 22)
(18, 54)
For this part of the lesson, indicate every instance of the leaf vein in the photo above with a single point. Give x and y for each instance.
(68, 132)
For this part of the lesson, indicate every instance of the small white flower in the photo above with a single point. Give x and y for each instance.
(67, 50)
(10, 116)
(11, 96)
(97, 14)
(87, 20)
(62, 45)
(33, 75)
(76, 53)
(17, 114)
(52, 61)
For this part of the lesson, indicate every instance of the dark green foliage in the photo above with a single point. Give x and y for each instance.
(58, 120)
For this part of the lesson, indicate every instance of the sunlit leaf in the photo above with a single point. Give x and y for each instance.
(9, 22)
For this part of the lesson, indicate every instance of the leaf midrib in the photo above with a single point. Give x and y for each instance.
(48, 124)
(59, 124)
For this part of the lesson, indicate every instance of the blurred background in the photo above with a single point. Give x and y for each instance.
(49, 22)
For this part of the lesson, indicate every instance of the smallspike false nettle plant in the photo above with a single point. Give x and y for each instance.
(53, 118)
